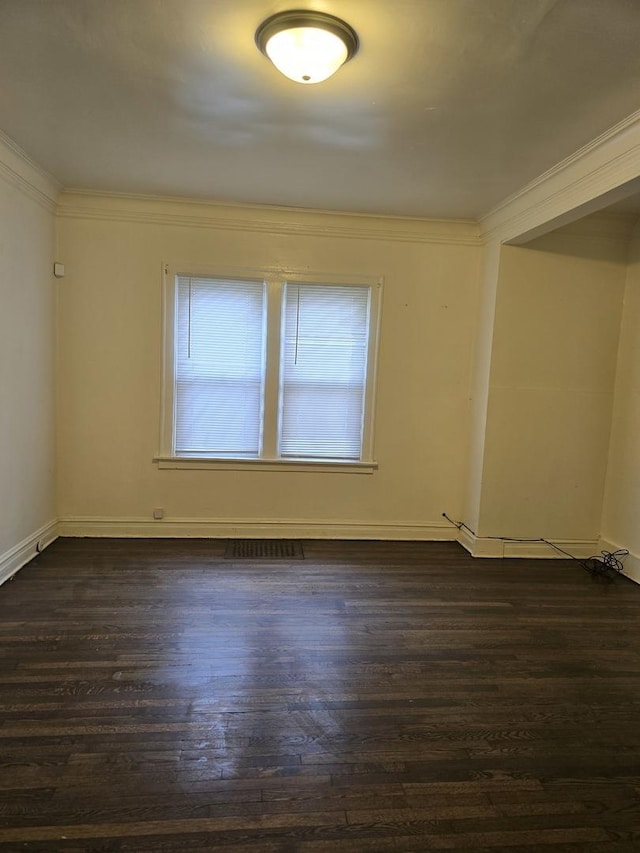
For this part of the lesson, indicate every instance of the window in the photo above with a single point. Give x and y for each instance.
(219, 367)
(268, 371)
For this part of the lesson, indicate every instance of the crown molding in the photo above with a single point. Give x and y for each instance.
(197, 213)
(19, 170)
(605, 170)
(599, 173)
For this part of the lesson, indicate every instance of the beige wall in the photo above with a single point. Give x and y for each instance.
(109, 356)
(27, 323)
(621, 517)
(531, 340)
(552, 377)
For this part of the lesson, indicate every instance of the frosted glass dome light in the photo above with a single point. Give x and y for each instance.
(307, 47)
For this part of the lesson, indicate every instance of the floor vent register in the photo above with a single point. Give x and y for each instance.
(264, 549)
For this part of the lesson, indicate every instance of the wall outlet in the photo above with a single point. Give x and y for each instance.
(158, 514)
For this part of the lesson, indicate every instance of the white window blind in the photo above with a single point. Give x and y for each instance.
(323, 371)
(219, 367)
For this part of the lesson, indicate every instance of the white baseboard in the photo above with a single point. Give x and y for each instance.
(15, 558)
(580, 548)
(253, 528)
(631, 563)
(190, 528)
(479, 546)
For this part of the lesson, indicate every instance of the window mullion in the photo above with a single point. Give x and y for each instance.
(272, 372)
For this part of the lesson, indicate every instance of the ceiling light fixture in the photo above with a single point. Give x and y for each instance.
(307, 47)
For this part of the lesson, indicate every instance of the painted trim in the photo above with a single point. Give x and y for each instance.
(22, 553)
(224, 528)
(605, 170)
(479, 546)
(597, 174)
(162, 210)
(192, 463)
(274, 288)
(631, 563)
(14, 559)
(580, 548)
(19, 170)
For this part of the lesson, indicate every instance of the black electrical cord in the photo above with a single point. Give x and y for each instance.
(605, 566)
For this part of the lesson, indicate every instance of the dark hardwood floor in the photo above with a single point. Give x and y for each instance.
(373, 697)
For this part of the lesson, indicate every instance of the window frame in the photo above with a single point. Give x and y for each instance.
(275, 279)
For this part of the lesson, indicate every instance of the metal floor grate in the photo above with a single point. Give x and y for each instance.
(263, 549)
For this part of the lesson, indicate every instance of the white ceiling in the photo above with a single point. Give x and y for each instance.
(450, 105)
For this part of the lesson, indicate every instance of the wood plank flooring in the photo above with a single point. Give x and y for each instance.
(156, 698)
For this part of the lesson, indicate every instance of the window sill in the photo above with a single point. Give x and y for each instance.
(303, 465)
